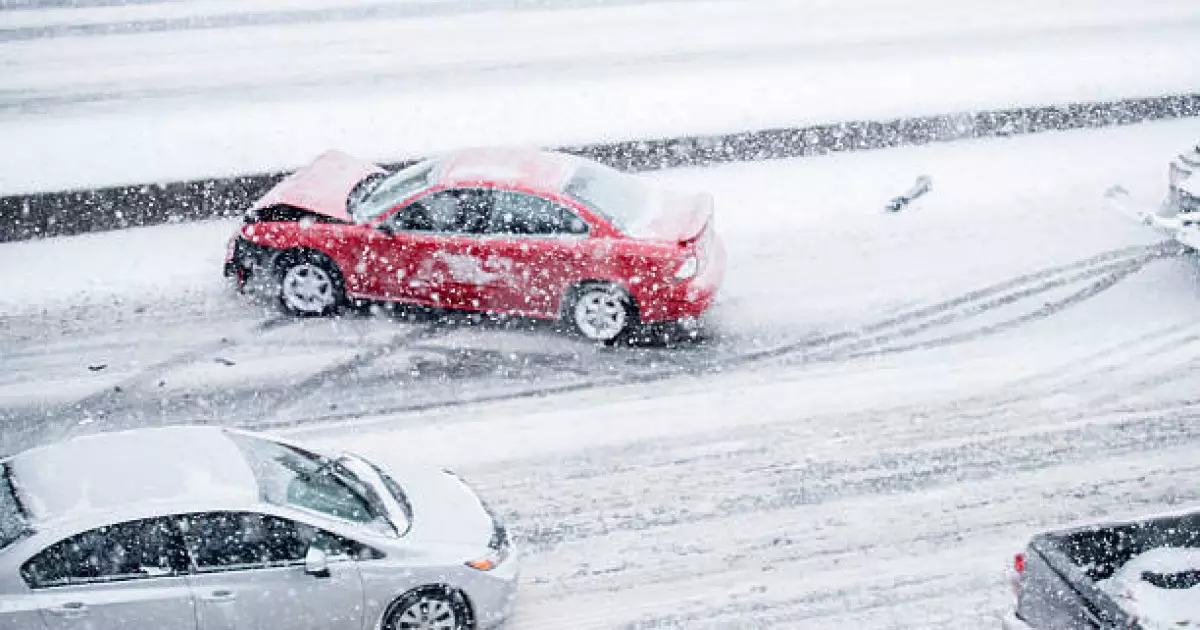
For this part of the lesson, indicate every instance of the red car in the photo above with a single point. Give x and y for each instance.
(524, 232)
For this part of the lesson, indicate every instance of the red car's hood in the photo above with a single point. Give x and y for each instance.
(676, 216)
(322, 186)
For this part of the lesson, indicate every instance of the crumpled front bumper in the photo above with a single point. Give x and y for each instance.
(244, 259)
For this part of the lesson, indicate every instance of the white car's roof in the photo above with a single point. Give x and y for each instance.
(112, 472)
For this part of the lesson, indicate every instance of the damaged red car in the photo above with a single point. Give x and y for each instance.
(516, 231)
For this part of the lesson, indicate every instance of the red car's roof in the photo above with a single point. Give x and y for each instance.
(527, 169)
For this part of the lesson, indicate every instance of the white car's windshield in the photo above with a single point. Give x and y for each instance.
(12, 520)
(376, 196)
(290, 476)
(621, 198)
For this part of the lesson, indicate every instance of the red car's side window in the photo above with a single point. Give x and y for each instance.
(520, 213)
(453, 211)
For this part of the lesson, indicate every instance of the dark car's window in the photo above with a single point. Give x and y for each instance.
(228, 541)
(455, 211)
(519, 213)
(621, 198)
(13, 525)
(127, 551)
(379, 194)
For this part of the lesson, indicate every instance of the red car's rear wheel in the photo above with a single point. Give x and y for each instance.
(602, 312)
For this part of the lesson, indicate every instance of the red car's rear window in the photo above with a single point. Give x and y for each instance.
(622, 199)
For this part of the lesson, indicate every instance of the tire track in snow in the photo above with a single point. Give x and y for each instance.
(341, 372)
(102, 404)
(1109, 268)
(1147, 352)
(34, 425)
(1109, 276)
(1108, 360)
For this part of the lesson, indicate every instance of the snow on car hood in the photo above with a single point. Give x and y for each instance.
(321, 187)
(444, 509)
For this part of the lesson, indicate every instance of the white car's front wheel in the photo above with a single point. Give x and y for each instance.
(602, 312)
(428, 609)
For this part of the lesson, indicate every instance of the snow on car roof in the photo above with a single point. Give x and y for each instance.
(531, 169)
(111, 471)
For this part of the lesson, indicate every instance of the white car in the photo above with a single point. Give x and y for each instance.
(202, 528)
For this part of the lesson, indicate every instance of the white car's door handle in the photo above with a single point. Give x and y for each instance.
(220, 595)
(69, 610)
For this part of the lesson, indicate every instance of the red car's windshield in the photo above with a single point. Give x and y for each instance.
(376, 198)
(622, 199)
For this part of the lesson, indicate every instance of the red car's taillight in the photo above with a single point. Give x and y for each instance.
(1019, 563)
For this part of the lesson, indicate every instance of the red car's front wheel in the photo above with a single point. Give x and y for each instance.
(309, 284)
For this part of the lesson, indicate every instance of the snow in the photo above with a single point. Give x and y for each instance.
(890, 403)
(254, 99)
(1037, 374)
(1157, 608)
(187, 464)
(114, 266)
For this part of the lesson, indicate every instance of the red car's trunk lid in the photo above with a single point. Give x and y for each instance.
(677, 217)
(322, 186)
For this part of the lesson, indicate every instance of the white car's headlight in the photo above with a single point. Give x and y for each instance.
(688, 268)
(490, 561)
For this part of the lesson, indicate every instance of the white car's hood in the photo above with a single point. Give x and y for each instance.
(443, 508)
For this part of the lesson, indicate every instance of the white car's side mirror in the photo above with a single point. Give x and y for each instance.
(316, 563)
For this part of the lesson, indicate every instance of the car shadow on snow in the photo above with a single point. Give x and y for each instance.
(666, 335)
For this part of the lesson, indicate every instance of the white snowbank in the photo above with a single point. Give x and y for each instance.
(151, 263)
(256, 99)
(1157, 608)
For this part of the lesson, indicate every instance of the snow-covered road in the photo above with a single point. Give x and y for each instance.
(889, 405)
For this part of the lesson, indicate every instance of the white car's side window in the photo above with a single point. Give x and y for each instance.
(230, 541)
(127, 551)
